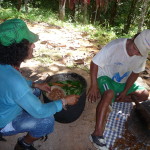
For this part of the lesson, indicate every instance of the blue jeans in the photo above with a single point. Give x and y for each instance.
(36, 92)
(36, 127)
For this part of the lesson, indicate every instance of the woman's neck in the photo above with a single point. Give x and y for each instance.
(17, 67)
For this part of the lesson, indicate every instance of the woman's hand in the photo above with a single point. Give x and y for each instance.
(71, 99)
(93, 94)
(42, 86)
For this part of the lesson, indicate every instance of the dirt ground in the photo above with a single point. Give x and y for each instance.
(70, 51)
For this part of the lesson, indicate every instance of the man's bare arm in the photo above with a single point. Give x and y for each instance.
(130, 81)
(93, 92)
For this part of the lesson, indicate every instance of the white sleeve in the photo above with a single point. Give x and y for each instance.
(140, 68)
(100, 58)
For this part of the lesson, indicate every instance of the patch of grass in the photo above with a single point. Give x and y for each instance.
(47, 56)
(44, 60)
(84, 67)
(95, 32)
(40, 15)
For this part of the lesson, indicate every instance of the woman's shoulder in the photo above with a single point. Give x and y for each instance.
(11, 76)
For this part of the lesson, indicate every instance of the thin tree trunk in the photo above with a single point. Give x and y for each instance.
(130, 16)
(72, 6)
(143, 14)
(113, 12)
(62, 4)
(19, 3)
(85, 5)
(26, 5)
(78, 10)
(96, 14)
(1, 1)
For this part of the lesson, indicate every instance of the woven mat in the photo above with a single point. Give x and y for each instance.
(116, 122)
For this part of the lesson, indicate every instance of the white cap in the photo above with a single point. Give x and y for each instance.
(142, 42)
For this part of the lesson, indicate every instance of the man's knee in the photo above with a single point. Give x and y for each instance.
(109, 94)
(107, 97)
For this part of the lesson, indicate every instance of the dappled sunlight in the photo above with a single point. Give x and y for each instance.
(39, 72)
(60, 50)
(62, 47)
(54, 68)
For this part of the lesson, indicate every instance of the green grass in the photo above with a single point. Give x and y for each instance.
(96, 32)
(38, 15)
(102, 34)
(43, 60)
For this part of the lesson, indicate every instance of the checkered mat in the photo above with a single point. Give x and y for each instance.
(116, 122)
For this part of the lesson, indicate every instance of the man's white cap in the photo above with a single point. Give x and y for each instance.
(142, 42)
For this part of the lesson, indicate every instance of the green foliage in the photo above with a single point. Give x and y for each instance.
(96, 32)
(36, 14)
(71, 87)
(47, 11)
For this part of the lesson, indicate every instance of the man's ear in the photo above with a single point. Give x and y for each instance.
(135, 35)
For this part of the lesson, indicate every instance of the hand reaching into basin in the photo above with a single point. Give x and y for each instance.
(70, 100)
(41, 86)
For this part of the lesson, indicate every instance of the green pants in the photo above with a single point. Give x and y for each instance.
(105, 83)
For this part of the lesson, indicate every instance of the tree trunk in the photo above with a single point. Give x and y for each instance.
(26, 5)
(62, 4)
(143, 14)
(19, 3)
(72, 8)
(96, 14)
(1, 1)
(130, 16)
(85, 5)
(93, 12)
(113, 13)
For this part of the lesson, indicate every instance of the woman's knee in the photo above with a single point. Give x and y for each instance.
(44, 126)
(48, 124)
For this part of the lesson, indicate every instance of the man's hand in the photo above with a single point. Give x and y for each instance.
(122, 97)
(42, 86)
(71, 99)
(93, 94)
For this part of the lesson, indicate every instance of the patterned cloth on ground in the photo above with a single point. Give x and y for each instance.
(116, 122)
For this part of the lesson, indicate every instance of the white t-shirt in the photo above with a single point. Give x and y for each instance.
(113, 61)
